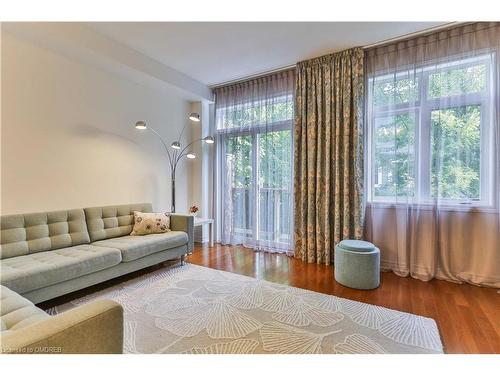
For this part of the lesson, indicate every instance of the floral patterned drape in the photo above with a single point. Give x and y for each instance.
(328, 180)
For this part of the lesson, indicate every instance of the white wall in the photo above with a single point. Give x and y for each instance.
(68, 138)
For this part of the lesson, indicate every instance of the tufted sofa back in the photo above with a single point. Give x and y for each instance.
(23, 234)
(113, 221)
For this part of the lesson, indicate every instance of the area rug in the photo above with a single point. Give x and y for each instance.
(193, 309)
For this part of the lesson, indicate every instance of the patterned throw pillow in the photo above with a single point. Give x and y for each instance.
(147, 223)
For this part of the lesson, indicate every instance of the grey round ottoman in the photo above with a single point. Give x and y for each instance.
(357, 264)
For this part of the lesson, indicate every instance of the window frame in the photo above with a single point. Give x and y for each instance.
(423, 106)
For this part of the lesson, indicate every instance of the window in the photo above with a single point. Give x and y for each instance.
(430, 134)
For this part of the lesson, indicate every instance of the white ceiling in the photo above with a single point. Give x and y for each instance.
(217, 52)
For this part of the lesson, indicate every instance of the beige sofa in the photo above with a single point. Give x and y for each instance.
(93, 328)
(49, 254)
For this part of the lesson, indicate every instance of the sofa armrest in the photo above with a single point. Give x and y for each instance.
(95, 328)
(184, 223)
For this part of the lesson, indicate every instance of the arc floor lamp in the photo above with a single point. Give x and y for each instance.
(176, 151)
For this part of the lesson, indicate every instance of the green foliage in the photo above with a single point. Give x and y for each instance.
(394, 155)
(455, 140)
(239, 155)
(274, 159)
(449, 82)
(275, 150)
(396, 91)
(457, 81)
(455, 134)
(251, 115)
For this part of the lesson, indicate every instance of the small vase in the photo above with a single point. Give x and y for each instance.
(194, 214)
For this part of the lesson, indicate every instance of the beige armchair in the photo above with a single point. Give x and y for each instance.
(95, 328)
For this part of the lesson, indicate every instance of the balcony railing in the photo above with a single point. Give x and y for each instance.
(264, 215)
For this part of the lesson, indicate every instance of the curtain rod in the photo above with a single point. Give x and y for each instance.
(377, 44)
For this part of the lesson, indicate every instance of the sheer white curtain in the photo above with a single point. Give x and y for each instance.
(432, 108)
(254, 121)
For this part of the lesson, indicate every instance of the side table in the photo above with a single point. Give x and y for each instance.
(200, 221)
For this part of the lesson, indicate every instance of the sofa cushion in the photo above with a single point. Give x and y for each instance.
(112, 221)
(16, 311)
(30, 233)
(135, 247)
(29, 272)
(148, 223)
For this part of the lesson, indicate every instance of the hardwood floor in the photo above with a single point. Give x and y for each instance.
(467, 316)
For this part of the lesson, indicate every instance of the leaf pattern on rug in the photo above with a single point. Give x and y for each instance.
(251, 297)
(218, 318)
(119, 295)
(278, 298)
(412, 330)
(322, 301)
(165, 277)
(279, 301)
(223, 287)
(172, 305)
(330, 303)
(370, 316)
(245, 295)
(242, 346)
(301, 314)
(188, 325)
(358, 344)
(283, 339)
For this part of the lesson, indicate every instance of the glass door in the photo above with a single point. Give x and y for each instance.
(257, 185)
(274, 166)
(238, 180)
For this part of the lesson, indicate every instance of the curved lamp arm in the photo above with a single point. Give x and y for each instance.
(181, 133)
(164, 145)
(181, 153)
(193, 117)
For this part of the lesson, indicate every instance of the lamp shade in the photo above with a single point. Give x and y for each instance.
(176, 145)
(194, 117)
(209, 139)
(191, 156)
(141, 125)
